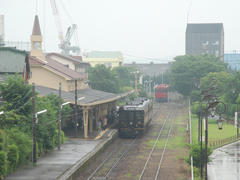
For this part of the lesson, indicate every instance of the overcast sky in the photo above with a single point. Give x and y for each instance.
(144, 28)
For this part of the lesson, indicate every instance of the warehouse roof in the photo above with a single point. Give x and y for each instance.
(12, 60)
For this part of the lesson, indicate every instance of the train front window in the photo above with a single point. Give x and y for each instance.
(139, 115)
(131, 116)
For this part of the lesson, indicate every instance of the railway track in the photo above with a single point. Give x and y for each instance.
(105, 169)
(140, 158)
(155, 156)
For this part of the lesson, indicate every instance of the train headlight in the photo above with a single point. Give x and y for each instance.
(131, 123)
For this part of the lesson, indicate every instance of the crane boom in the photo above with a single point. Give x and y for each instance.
(57, 20)
(65, 44)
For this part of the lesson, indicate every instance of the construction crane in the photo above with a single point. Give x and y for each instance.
(65, 42)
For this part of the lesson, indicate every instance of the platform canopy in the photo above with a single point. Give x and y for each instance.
(92, 97)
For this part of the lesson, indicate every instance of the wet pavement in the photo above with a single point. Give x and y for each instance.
(225, 163)
(59, 164)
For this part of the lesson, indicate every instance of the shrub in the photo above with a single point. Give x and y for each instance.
(22, 141)
(2, 140)
(13, 157)
(3, 164)
(195, 152)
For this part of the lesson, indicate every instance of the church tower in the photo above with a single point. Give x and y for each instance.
(36, 41)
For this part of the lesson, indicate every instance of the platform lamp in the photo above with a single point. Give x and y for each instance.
(220, 110)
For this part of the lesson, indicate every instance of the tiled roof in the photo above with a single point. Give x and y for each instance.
(205, 28)
(52, 64)
(73, 59)
(104, 54)
(78, 58)
(36, 27)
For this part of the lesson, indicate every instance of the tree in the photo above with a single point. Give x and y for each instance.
(16, 95)
(125, 76)
(221, 80)
(187, 71)
(102, 78)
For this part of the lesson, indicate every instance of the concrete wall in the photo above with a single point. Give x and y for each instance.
(150, 69)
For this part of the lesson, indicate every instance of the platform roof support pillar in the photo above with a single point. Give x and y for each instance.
(85, 122)
(91, 121)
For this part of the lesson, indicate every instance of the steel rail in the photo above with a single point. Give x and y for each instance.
(121, 157)
(154, 146)
(165, 146)
(115, 163)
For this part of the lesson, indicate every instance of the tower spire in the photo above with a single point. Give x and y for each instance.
(36, 27)
(36, 41)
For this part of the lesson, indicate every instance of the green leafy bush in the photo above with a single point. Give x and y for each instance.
(3, 164)
(13, 157)
(195, 152)
(22, 141)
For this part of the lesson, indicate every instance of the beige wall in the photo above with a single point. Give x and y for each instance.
(109, 62)
(44, 77)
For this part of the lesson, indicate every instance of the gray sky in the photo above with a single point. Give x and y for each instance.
(144, 28)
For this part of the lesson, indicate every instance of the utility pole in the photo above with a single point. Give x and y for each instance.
(237, 123)
(206, 143)
(59, 117)
(162, 77)
(34, 139)
(76, 100)
(136, 83)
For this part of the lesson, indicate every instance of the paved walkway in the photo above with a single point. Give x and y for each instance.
(61, 164)
(225, 163)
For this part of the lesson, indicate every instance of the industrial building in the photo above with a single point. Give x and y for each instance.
(205, 38)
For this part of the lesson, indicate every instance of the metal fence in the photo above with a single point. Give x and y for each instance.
(221, 142)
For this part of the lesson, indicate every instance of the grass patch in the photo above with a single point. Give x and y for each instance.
(160, 143)
(129, 175)
(140, 157)
(213, 132)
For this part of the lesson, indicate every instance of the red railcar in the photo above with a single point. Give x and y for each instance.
(161, 92)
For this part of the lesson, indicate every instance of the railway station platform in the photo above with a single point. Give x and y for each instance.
(65, 163)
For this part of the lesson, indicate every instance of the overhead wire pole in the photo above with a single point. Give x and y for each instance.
(34, 154)
(76, 103)
(59, 117)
